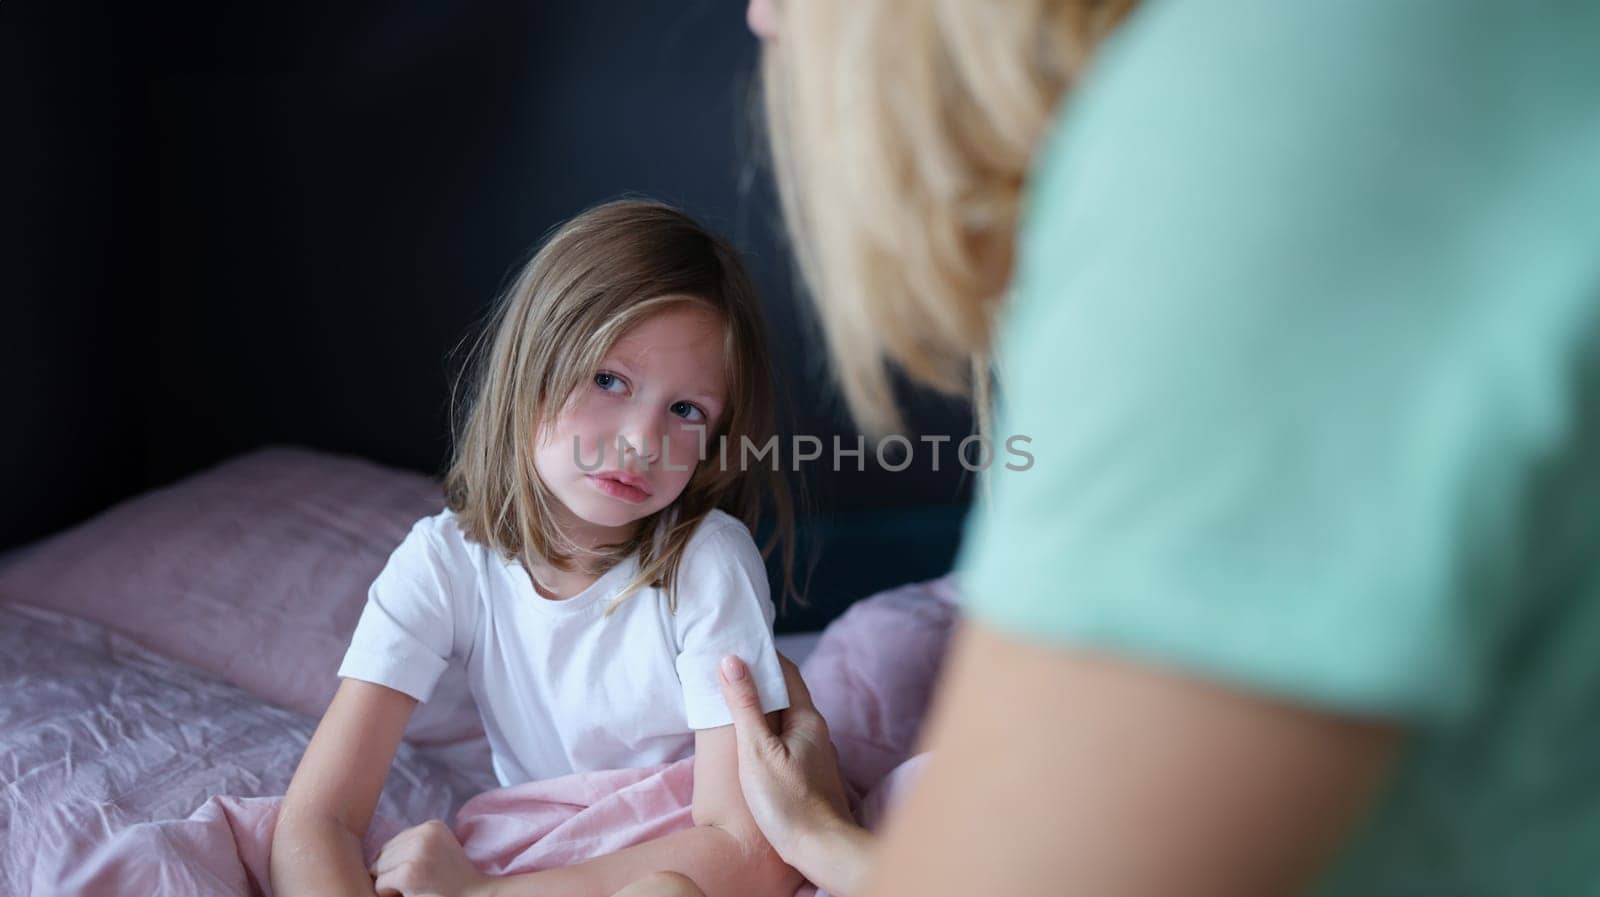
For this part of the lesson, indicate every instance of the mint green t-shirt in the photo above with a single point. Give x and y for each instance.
(1305, 337)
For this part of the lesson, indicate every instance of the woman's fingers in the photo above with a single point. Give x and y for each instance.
(802, 717)
(744, 705)
(799, 694)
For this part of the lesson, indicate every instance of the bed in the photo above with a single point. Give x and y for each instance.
(163, 664)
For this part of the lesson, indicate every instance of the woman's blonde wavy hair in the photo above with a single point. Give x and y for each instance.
(901, 133)
(591, 281)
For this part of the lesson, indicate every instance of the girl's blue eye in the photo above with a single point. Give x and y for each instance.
(605, 380)
(689, 411)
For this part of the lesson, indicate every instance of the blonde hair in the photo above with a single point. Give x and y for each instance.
(901, 133)
(591, 281)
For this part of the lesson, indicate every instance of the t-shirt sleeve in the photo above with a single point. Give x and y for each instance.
(1281, 349)
(404, 638)
(725, 607)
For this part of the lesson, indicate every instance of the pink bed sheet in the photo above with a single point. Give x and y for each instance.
(126, 773)
(99, 737)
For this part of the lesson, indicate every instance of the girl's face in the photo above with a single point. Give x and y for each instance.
(655, 389)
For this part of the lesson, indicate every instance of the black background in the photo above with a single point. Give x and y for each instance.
(232, 225)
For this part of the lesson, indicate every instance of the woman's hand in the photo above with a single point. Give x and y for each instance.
(791, 782)
(426, 861)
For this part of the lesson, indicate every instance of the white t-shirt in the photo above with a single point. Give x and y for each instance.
(561, 687)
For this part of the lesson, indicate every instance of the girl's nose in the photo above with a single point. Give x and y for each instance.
(643, 443)
(639, 452)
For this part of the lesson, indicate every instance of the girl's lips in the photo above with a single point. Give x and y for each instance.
(616, 489)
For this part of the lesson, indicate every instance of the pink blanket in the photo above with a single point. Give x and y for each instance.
(109, 740)
(224, 847)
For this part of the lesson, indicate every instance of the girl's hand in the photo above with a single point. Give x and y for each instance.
(427, 861)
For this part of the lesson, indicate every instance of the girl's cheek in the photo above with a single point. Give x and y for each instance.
(586, 418)
(558, 433)
(688, 439)
(685, 457)
(569, 434)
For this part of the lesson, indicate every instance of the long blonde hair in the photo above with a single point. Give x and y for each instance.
(591, 281)
(901, 133)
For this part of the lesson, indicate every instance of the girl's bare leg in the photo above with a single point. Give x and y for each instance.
(661, 884)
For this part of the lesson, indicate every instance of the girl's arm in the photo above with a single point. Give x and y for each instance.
(1064, 772)
(791, 782)
(316, 846)
(724, 853)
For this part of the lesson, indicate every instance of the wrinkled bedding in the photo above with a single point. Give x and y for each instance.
(125, 772)
(98, 736)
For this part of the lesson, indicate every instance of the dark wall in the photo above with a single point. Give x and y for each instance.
(75, 347)
(242, 224)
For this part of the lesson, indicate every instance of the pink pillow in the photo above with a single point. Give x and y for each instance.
(873, 671)
(254, 571)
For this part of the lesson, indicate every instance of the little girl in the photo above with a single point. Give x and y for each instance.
(587, 570)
